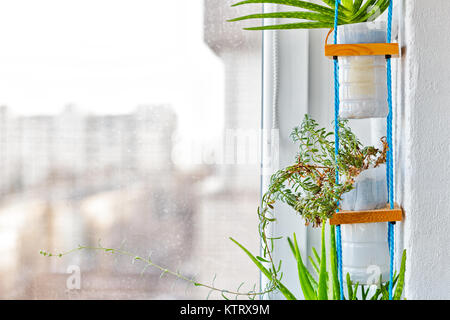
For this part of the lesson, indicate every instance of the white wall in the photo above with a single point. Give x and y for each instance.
(423, 133)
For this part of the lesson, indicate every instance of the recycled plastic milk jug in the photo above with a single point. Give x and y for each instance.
(365, 250)
(363, 91)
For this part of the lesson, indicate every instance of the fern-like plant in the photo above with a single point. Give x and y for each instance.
(315, 15)
(309, 185)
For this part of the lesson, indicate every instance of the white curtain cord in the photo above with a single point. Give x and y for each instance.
(275, 91)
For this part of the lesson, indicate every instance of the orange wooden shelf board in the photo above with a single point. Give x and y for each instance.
(368, 216)
(362, 49)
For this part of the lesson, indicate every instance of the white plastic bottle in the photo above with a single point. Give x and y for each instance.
(365, 250)
(363, 91)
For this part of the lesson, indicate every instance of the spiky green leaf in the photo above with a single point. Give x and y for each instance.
(323, 276)
(288, 15)
(294, 3)
(305, 284)
(401, 278)
(266, 272)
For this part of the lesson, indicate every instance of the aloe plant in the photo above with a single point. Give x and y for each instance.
(316, 16)
(320, 286)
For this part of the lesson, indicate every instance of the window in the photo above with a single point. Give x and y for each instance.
(122, 124)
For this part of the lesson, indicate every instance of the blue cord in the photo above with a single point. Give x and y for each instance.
(389, 160)
(336, 148)
(390, 154)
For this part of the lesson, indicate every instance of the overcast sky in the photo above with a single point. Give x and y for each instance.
(108, 56)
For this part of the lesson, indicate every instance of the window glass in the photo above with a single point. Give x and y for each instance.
(127, 124)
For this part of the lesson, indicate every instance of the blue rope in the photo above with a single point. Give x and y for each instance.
(389, 160)
(336, 148)
(390, 156)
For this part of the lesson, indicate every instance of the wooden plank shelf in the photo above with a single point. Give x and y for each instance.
(368, 216)
(361, 49)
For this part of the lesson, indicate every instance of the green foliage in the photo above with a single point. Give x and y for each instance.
(333, 264)
(323, 275)
(317, 16)
(278, 284)
(401, 278)
(148, 263)
(303, 274)
(314, 289)
(309, 185)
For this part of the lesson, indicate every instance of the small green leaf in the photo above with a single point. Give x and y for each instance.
(401, 278)
(323, 276)
(262, 259)
(349, 287)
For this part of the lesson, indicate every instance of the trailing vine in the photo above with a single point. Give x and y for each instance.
(149, 263)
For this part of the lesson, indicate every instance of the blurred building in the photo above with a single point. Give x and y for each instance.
(73, 178)
(34, 149)
(229, 209)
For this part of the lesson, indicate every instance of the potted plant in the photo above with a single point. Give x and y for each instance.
(363, 92)
(309, 187)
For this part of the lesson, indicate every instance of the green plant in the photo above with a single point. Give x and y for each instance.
(309, 185)
(317, 16)
(322, 286)
(313, 288)
(147, 262)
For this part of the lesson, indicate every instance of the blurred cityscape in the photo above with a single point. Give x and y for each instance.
(79, 177)
(75, 178)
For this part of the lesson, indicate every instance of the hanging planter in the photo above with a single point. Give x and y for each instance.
(364, 81)
(363, 91)
(362, 72)
(362, 69)
(365, 247)
(369, 191)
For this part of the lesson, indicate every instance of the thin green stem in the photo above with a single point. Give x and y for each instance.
(149, 263)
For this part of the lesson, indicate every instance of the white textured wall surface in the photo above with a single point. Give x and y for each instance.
(423, 133)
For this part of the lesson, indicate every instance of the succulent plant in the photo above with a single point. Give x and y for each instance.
(313, 16)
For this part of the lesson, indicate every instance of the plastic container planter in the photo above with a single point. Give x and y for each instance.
(363, 91)
(364, 245)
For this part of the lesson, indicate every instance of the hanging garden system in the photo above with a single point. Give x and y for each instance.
(335, 182)
(362, 216)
